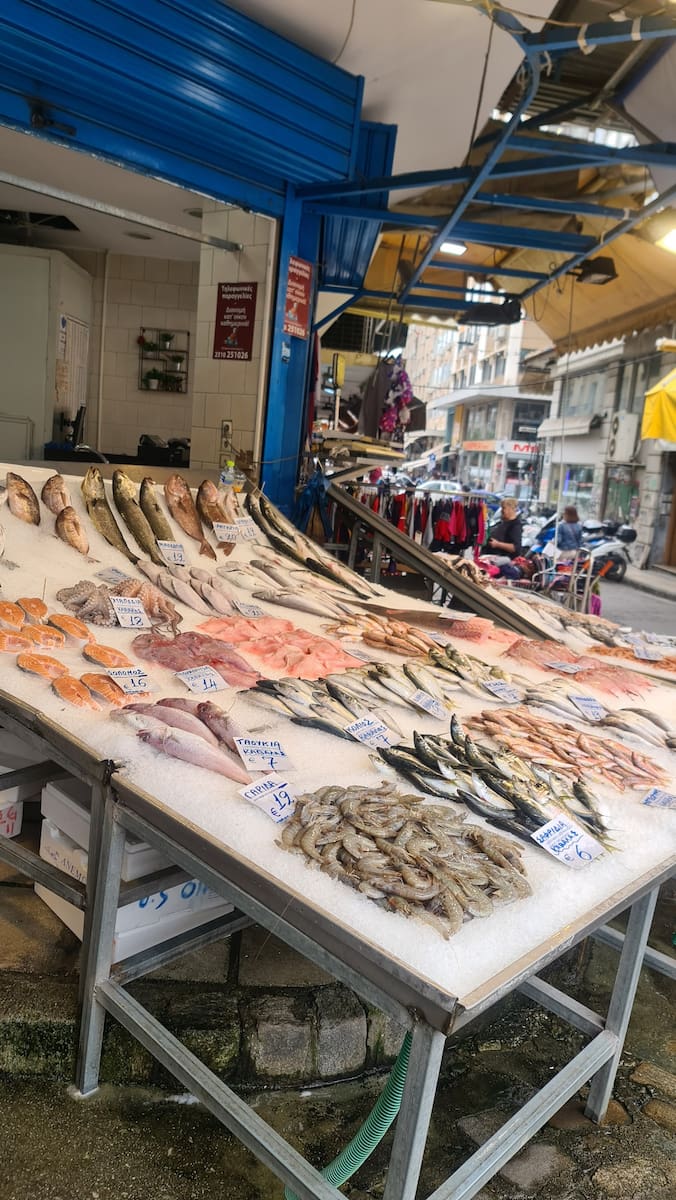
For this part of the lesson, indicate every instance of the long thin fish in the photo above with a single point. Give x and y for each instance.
(183, 510)
(124, 495)
(100, 512)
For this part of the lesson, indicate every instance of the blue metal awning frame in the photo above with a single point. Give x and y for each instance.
(542, 155)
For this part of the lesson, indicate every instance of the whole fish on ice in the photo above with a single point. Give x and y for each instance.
(153, 513)
(21, 499)
(182, 508)
(100, 512)
(124, 495)
(55, 494)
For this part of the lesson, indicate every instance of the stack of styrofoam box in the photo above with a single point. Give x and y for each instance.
(14, 754)
(144, 923)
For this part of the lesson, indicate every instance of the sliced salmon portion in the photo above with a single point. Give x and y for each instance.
(11, 616)
(13, 643)
(41, 664)
(105, 656)
(74, 692)
(72, 626)
(107, 689)
(40, 635)
(35, 609)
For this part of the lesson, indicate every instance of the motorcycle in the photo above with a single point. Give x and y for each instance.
(608, 542)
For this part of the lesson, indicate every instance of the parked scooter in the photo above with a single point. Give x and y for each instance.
(608, 543)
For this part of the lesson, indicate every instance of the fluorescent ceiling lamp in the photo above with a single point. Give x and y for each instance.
(668, 242)
(457, 248)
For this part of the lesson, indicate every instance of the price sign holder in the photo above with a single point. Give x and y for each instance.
(112, 575)
(261, 754)
(248, 531)
(202, 679)
(429, 704)
(130, 612)
(656, 798)
(273, 796)
(173, 552)
(131, 679)
(503, 690)
(565, 668)
(225, 532)
(371, 732)
(590, 708)
(248, 610)
(565, 841)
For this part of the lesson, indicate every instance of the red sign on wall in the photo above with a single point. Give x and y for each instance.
(235, 316)
(297, 303)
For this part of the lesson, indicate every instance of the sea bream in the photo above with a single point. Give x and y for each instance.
(55, 494)
(21, 499)
(214, 507)
(124, 495)
(182, 508)
(70, 529)
(100, 512)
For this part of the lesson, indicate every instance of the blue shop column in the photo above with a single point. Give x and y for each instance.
(289, 365)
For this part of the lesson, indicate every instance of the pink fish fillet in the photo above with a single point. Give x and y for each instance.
(195, 750)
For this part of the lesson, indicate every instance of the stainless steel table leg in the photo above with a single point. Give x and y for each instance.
(414, 1116)
(99, 949)
(354, 545)
(376, 559)
(622, 999)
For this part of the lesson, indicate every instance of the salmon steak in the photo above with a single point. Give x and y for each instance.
(48, 639)
(13, 643)
(71, 626)
(35, 609)
(11, 616)
(41, 664)
(107, 689)
(105, 656)
(75, 692)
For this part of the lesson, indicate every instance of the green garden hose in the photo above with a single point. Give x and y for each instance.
(374, 1128)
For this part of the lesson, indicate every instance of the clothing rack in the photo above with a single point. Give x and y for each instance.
(436, 521)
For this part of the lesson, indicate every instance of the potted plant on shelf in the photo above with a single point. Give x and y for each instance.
(152, 379)
(165, 339)
(150, 347)
(175, 362)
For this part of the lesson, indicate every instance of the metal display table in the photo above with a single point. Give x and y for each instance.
(431, 1013)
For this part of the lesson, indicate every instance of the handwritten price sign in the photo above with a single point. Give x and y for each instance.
(130, 679)
(130, 612)
(202, 679)
(567, 842)
(273, 796)
(260, 754)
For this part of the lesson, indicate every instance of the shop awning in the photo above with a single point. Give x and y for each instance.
(659, 412)
(555, 427)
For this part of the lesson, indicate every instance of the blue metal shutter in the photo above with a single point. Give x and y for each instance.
(347, 245)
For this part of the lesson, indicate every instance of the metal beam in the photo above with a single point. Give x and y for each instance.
(654, 154)
(599, 33)
(479, 175)
(335, 312)
(470, 268)
(539, 204)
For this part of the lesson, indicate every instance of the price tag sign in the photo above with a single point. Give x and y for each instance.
(371, 732)
(226, 533)
(248, 610)
(248, 531)
(442, 639)
(503, 691)
(564, 840)
(659, 799)
(202, 679)
(173, 552)
(429, 704)
(357, 652)
(565, 668)
(590, 708)
(273, 796)
(131, 679)
(648, 653)
(9, 821)
(112, 575)
(130, 612)
(259, 754)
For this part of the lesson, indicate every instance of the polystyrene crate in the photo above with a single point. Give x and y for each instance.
(66, 803)
(11, 815)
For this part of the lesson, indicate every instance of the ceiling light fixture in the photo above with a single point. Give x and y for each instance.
(595, 270)
(140, 237)
(450, 247)
(197, 213)
(668, 242)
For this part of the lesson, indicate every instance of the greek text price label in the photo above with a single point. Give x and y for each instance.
(173, 552)
(9, 821)
(202, 679)
(590, 708)
(130, 612)
(429, 704)
(248, 532)
(357, 652)
(565, 668)
(248, 610)
(655, 799)
(449, 614)
(130, 679)
(503, 690)
(273, 796)
(226, 533)
(112, 575)
(258, 754)
(442, 639)
(371, 732)
(563, 839)
(648, 653)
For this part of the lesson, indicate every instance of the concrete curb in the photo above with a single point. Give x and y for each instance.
(637, 579)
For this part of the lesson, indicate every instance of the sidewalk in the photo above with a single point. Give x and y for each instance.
(656, 582)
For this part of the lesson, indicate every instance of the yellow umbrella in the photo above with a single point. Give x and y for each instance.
(659, 411)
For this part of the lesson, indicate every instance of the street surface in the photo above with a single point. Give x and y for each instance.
(630, 606)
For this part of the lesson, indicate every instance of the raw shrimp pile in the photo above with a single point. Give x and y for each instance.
(281, 646)
(561, 746)
(417, 859)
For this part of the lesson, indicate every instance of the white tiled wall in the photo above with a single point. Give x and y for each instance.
(151, 292)
(230, 390)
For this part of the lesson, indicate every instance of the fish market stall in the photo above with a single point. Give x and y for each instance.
(415, 799)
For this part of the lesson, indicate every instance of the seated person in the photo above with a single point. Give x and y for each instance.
(504, 540)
